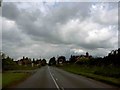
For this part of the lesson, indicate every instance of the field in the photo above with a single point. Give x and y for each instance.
(20, 73)
(12, 78)
(109, 75)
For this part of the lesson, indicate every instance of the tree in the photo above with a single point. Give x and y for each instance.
(0, 2)
(61, 59)
(8, 63)
(43, 62)
(52, 61)
(72, 59)
(2, 55)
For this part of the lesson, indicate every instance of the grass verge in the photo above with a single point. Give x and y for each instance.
(0, 79)
(9, 78)
(90, 72)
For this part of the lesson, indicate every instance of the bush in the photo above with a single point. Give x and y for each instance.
(106, 71)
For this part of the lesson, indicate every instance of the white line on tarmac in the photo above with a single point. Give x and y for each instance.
(54, 80)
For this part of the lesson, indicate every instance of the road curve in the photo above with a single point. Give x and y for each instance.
(52, 77)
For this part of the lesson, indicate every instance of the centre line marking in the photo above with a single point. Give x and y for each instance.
(54, 80)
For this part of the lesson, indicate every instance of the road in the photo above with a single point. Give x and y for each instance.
(51, 77)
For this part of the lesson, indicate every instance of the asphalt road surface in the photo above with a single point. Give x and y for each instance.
(51, 77)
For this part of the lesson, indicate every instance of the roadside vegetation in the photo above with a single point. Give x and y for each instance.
(0, 80)
(109, 75)
(25, 63)
(14, 72)
(106, 69)
(9, 79)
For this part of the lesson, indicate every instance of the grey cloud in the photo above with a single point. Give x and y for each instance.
(66, 26)
(66, 11)
(10, 11)
(11, 36)
(107, 13)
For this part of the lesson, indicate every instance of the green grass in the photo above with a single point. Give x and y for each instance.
(12, 78)
(109, 75)
(0, 79)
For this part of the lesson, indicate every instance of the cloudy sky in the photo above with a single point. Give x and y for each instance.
(46, 29)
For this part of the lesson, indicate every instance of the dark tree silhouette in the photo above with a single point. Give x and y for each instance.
(52, 61)
(0, 2)
(112, 59)
(61, 59)
(43, 62)
(7, 62)
(72, 59)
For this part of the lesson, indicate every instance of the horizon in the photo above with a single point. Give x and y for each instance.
(56, 57)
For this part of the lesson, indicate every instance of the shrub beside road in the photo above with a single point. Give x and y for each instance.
(106, 74)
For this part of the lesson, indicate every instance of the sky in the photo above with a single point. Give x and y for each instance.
(47, 29)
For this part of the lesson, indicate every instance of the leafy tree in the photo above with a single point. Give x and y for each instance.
(33, 60)
(43, 62)
(61, 59)
(0, 2)
(52, 61)
(111, 59)
(72, 59)
(8, 63)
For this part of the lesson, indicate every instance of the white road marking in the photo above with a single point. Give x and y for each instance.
(54, 80)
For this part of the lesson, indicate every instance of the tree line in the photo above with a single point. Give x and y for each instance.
(9, 63)
(112, 59)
